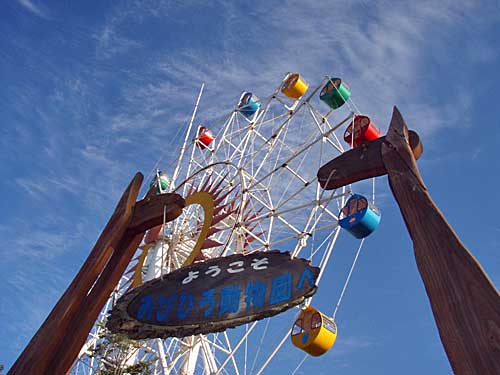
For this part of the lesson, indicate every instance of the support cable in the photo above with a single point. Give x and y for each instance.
(186, 138)
(299, 365)
(348, 279)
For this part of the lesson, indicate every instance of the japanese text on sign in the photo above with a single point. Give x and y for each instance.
(227, 299)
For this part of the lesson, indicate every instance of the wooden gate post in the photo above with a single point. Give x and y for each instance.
(55, 346)
(464, 301)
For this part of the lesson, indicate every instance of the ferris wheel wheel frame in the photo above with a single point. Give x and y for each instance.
(267, 159)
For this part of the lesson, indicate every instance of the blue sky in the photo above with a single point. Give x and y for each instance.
(93, 91)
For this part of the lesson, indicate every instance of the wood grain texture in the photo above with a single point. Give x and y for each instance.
(123, 318)
(58, 341)
(148, 212)
(360, 163)
(43, 346)
(79, 328)
(357, 164)
(464, 301)
(144, 218)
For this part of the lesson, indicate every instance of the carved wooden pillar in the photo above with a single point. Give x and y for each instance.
(58, 341)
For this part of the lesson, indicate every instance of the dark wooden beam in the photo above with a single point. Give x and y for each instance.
(79, 328)
(360, 163)
(464, 301)
(149, 211)
(57, 343)
(44, 345)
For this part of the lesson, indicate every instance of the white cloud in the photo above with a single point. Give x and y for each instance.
(95, 146)
(32, 7)
(382, 55)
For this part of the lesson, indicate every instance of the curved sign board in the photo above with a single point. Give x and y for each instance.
(214, 295)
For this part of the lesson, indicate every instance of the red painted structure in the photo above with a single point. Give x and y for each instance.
(364, 131)
(153, 234)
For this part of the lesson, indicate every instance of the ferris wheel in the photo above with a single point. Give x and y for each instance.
(250, 184)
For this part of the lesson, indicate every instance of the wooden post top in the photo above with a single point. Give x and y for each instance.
(362, 162)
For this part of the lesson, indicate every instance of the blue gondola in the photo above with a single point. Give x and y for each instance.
(359, 217)
(249, 104)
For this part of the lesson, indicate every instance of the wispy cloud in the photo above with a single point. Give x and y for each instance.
(123, 106)
(380, 48)
(34, 8)
(350, 344)
(34, 286)
(382, 56)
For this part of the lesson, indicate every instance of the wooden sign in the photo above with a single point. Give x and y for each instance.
(214, 295)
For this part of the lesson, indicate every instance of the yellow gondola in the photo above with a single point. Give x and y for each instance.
(294, 86)
(314, 332)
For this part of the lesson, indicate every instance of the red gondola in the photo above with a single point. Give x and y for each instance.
(205, 137)
(364, 131)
